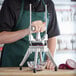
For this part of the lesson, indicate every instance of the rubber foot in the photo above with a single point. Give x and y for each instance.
(56, 68)
(34, 70)
(20, 68)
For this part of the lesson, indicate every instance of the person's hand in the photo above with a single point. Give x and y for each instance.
(39, 26)
(50, 65)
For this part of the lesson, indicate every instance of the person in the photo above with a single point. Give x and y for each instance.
(14, 29)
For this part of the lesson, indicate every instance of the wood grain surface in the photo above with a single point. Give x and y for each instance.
(14, 71)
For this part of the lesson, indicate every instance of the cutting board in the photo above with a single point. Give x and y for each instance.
(14, 71)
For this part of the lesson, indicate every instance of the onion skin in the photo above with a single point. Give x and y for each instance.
(62, 66)
(69, 65)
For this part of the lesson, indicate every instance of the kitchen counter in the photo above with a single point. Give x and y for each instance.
(14, 71)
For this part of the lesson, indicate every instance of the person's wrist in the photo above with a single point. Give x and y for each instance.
(28, 31)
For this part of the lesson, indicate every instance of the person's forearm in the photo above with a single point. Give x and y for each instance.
(52, 45)
(9, 37)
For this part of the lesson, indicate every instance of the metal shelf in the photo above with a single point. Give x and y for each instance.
(1, 1)
(65, 3)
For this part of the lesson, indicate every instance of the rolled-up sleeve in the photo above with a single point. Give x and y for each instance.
(53, 29)
(6, 17)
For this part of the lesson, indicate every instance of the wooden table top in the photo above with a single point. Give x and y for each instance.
(14, 71)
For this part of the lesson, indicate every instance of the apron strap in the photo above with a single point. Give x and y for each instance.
(22, 9)
(43, 2)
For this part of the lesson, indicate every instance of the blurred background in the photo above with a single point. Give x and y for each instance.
(66, 42)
